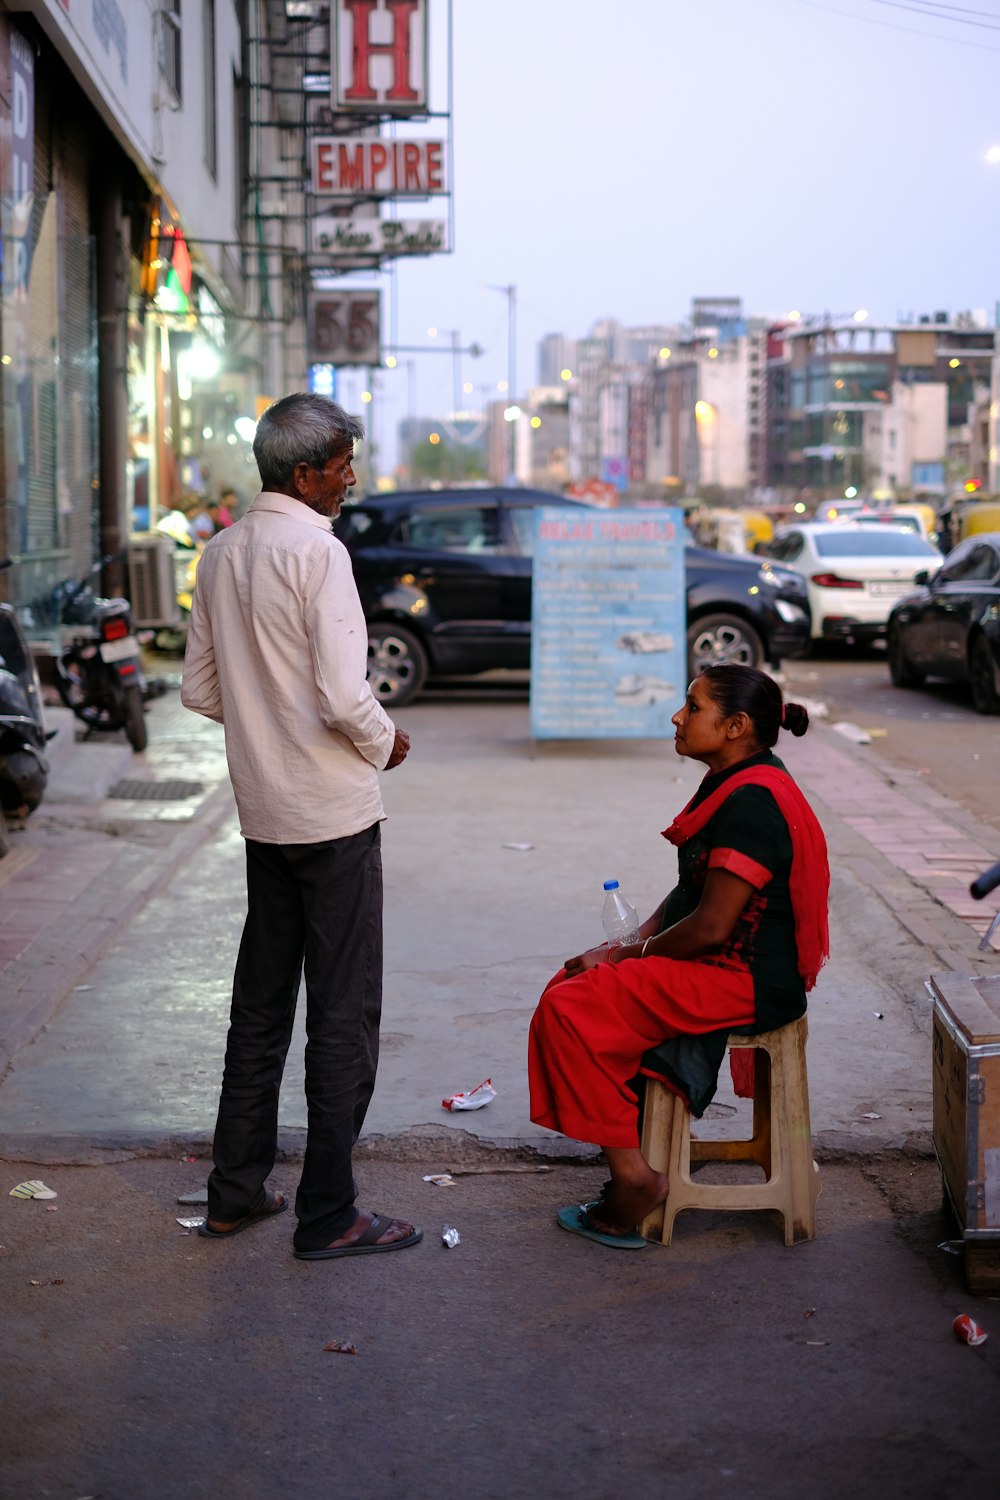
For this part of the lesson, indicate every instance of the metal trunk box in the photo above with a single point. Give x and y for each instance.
(966, 1070)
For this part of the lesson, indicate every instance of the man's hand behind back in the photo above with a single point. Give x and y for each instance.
(400, 749)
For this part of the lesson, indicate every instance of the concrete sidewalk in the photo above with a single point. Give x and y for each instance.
(145, 903)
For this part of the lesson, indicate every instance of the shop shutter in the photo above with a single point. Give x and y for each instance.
(58, 409)
(76, 454)
(37, 396)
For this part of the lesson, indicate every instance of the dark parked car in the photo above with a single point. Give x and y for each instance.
(951, 626)
(445, 581)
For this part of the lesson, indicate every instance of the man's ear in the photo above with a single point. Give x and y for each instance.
(300, 478)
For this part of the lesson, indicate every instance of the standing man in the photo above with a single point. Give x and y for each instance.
(277, 653)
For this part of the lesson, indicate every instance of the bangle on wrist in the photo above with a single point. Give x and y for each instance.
(645, 946)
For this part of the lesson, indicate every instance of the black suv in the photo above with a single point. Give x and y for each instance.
(445, 581)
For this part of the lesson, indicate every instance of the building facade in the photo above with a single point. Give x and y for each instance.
(120, 213)
(891, 411)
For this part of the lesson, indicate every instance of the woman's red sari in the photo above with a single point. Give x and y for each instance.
(590, 1032)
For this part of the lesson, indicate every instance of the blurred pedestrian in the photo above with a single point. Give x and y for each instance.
(277, 652)
(215, 512)
(200, 523)
(227, 507)
(174, 524)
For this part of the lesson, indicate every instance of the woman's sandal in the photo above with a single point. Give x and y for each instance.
(576, 1219)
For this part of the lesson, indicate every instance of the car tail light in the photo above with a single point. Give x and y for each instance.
(113, 630)
(834, 581)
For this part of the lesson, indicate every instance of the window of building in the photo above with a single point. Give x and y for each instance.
(852, 382)
(210, 83)
(170, 44)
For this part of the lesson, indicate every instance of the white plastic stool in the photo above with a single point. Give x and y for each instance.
(781, 1143)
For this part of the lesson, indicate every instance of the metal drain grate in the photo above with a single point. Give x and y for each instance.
(155, 791)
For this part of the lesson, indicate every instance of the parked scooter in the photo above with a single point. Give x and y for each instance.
(24, 770)
(99, 675)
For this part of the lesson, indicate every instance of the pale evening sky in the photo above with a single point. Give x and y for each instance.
(619, 159)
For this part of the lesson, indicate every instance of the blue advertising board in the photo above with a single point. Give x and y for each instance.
(608, 623)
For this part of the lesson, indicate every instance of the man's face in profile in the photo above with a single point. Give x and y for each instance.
(324, 490)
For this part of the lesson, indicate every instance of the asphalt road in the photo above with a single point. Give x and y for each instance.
(933, 730)
(154, 1365)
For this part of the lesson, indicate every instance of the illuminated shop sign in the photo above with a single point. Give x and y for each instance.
(355, 237)
(366, 166)
(379, 56)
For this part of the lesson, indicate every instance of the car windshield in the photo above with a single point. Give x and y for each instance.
(872, 543)
(901, 523)
(352, 523)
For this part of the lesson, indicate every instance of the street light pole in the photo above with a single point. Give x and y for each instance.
(510, 292)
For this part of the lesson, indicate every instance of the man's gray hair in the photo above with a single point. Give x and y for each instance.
(303, 428)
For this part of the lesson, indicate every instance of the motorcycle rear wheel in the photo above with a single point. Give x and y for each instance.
(135, 718)
(73, 690)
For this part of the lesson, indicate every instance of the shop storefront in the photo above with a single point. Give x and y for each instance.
(48, 365)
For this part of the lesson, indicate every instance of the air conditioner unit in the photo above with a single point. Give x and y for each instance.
(151, 583)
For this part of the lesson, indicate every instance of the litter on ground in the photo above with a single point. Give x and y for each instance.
(474, 1099)
(32, 1189)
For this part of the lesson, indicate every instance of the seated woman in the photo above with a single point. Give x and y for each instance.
(735, 946)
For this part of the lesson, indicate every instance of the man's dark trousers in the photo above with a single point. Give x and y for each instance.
(317, 905)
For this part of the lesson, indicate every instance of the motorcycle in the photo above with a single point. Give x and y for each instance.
(99, 674)
(24, 770)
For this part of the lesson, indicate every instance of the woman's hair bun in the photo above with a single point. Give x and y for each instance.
(795, 719)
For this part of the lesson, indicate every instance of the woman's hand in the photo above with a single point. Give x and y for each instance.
(625, 950)
(584, 961)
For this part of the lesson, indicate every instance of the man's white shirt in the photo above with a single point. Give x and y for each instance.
(277, 653)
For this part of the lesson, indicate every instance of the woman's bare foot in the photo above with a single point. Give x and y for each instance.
(634, 1191)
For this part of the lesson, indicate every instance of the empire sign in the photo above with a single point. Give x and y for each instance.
(367, 166)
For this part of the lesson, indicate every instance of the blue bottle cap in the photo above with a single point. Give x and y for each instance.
(611, 885)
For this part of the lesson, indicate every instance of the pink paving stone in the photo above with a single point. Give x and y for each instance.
(24, 921)
(913, 833)
(960, 902)
(958, 864)
(11, 948)
(971, 856)
(54, 885)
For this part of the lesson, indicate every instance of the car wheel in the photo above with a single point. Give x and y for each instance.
(982, 676)
(902, 671)
(397, 665)
(716, 640)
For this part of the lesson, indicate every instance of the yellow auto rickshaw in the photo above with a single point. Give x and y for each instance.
(976, 517)
(759, 528)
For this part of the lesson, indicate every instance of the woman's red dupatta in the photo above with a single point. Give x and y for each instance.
(809, 884)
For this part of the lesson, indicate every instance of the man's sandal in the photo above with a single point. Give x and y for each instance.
(272, 1205)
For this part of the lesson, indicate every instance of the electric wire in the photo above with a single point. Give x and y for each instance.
(936, 13)
(933, 36)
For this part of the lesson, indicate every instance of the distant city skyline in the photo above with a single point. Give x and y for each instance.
(797, 155)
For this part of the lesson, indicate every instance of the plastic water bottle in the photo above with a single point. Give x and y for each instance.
(620, 918)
